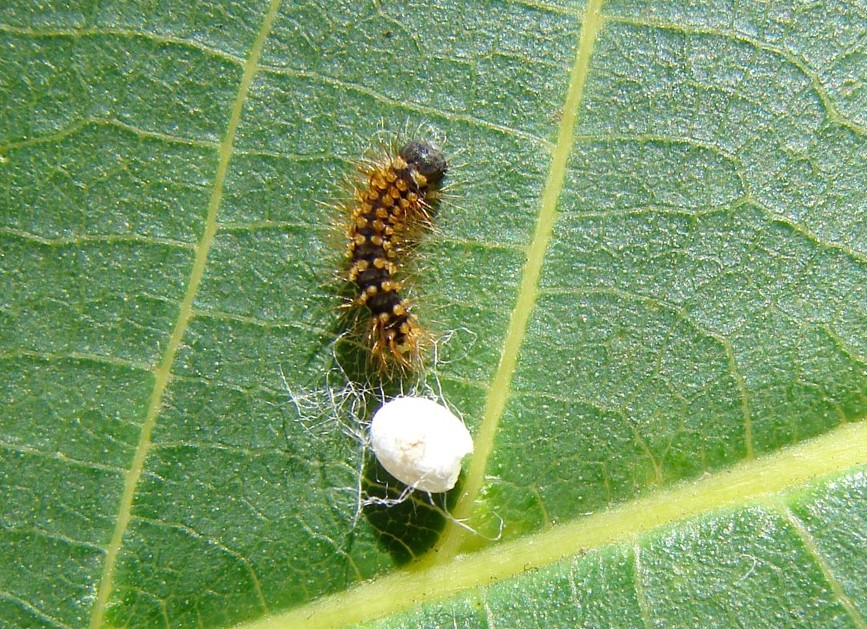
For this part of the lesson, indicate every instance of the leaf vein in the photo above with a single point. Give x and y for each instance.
(163, 373)
(815, 552)
(32, 609)
(415, 107)
(123, 33)
(495, 402)
(811, 74)
(747, 483)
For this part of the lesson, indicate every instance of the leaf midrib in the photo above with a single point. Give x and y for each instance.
(759, 481)
(499, 392)
(162, 375)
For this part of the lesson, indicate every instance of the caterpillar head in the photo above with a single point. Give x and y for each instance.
(427, 158)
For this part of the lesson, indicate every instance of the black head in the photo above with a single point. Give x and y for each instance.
(428, 159)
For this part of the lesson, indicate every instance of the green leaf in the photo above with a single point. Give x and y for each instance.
(649, 288)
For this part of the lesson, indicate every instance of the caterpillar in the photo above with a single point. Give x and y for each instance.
(393, 204)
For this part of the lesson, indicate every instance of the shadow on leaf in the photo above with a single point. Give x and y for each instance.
(407, 523)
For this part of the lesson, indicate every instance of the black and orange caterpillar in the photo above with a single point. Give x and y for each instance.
(391, 207)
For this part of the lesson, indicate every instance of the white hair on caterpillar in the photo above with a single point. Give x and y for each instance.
(420, 442)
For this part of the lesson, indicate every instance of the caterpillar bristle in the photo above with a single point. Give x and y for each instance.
(393, 204)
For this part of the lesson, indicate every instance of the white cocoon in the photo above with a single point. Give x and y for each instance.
(420, 443)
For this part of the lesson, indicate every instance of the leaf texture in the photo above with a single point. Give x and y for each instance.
(651, 274)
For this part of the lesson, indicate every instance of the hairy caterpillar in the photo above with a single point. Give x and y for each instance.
(393, 204)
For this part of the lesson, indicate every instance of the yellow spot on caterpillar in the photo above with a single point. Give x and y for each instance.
(393, 208)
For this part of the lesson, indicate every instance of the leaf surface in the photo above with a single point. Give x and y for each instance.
(652, 274)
